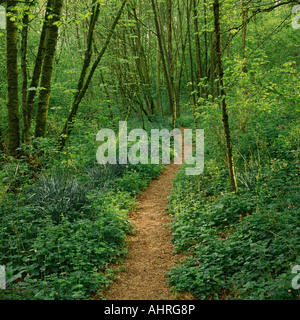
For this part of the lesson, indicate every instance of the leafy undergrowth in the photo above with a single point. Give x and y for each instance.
(59, 235)
(240, 246)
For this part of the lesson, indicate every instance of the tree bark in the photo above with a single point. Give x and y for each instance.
(24, 68)
(184, 68)
(47, 70)
(88, 51)
(142, 63)
(159, 105)
(199, 73)
(205, 41)
(28, 111)
(212, 67)
(244, 33)
(170, 88)
(173, 107)
(85, 85)
(216, 7)
(188, 19)
(12, 81)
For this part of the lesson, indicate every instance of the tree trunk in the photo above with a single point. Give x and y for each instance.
(244, 33)
(170, 88)
(12, 81)
(159, 105)
(24, 68)
(84, 86)
(28, 111)
(205, 40)
(184, 68)
(199, 73)
(212, 66)
(223, 95)
(173, 107)
(193, 93)
(47, 70)
(88, 51)
(188, 19)
(205, 72)
(142, 63)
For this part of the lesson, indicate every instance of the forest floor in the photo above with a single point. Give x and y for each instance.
(151, 252)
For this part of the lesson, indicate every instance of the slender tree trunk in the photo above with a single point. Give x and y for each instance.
(84, 86)
(165, 68)
(78, 36)
(244, 33)
(223, 95)
(184, 68)
(184, 62)
(199, 73)
(193, 86)
(107, 96)
(89, 51)
(142, 63)
(205, 40)
(205, 72)
(28, 111)
(24, 68)
(12, 81)
(47, 70)
(159, 70)
(158, 95)
(212, 65)
(174, 107)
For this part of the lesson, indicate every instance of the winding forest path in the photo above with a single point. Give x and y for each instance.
(151, 252)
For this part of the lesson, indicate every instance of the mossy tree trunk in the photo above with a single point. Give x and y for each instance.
(86, 78)
(199, 71)
(31, 94)
(47, 69)
(164, 56)
(171, 66)
(193, 85)
(223, 95)
(12, 81)
(244, 33)
(24, 42)
(142, 63)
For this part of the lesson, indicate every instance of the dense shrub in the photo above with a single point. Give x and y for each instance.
(59, 235)
(242, 246)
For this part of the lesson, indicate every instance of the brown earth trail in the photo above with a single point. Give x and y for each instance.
(151, 252)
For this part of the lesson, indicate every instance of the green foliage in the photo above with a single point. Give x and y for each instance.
(58, 196)
(63, 218)
(60, 233)
(242, 246)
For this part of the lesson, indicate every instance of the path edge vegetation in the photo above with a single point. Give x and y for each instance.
(231, 68)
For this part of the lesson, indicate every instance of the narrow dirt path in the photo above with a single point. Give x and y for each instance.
(151, 252)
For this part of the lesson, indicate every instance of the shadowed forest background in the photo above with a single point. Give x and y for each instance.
(70, 68)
